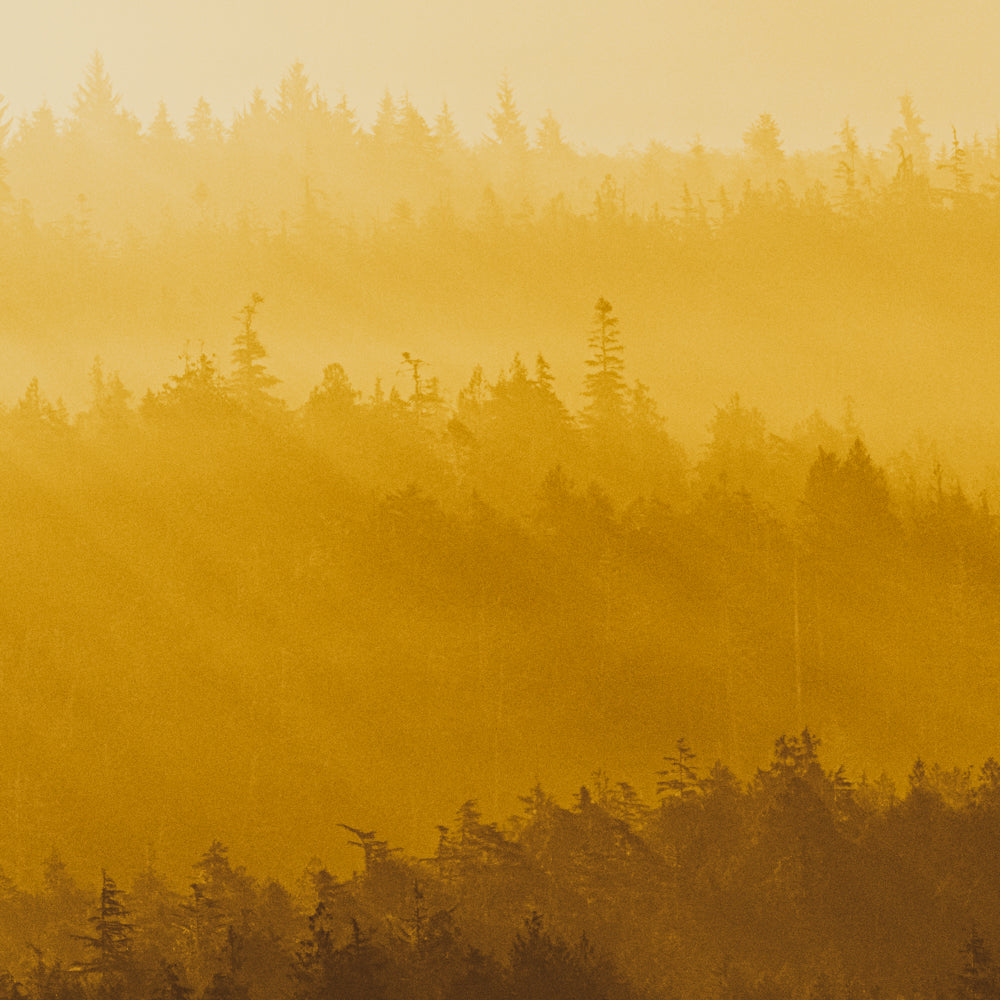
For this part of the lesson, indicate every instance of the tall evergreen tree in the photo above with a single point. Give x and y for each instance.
(909, 137)
(763, 142)
(344, 123)
(250, 379)
(445, 131)
(549, 138)
(203, 127)
(297, 97)
(111, 942)
(162, 130)
(604, 385)
(509, 133)
(96, 110)
(385, 131)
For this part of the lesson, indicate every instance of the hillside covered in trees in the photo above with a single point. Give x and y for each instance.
(391, 602)
(550, 458)
(798, 883)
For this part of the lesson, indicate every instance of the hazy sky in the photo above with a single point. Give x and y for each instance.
(613, 73)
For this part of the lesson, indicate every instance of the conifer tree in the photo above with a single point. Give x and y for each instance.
(385, 130)
(297, 97)
(203, 127)
(509, 133)
(445, 131)
(253, 124)
(344, 123)
(162, 130)
(250, 379)
(909, 138)
(763, 141)
(111, 941)
(680, 777)
(549, 137)
(604, 385)
(849, 151)
(95, 103)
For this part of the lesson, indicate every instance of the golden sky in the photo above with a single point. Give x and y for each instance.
(613, 73)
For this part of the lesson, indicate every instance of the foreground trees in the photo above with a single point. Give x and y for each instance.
(799, 880)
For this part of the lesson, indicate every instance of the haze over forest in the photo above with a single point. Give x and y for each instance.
(352, 470)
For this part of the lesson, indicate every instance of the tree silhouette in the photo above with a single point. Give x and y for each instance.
(604, 385)
(203, 128)
(509, 134)
(250, 379)
(549, 138)
(763, 142)
(111, 941)
(297, 97)
(96, 113)
(910, 138)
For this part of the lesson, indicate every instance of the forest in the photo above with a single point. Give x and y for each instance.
(797, 278)
(798, 883)
(352, 475)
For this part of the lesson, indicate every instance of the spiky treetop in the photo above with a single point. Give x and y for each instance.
(605, 384)
(250, 379)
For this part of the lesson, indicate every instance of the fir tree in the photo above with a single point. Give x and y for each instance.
(250, 379)
(509, 133)
(604, 386)
(111, 941)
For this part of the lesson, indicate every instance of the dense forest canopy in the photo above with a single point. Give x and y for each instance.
(798, 883)
(349, 472)
(261, 610)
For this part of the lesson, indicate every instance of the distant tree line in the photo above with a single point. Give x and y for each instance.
(303, 161)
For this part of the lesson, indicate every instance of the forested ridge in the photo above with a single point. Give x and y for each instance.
(798, 883)
(231, 613)
(799, 277)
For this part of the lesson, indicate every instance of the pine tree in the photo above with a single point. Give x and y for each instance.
(910, 139)
(763, 142)
(109, 407)
(848, 151)
(604, 386)
(445, 131)
(385, 130)
(956, 163)
(162, 130)
(39, 128)
(250, 379)
(111, 941)
(297, 97)
(203, 127)
(549, 137)
(680, 778)
(509, 133)
(543, 375)
(95, 103)
(253, 124)
(97, 115)
(344, 123)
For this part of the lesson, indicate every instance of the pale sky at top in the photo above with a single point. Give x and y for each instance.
(613, 73)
